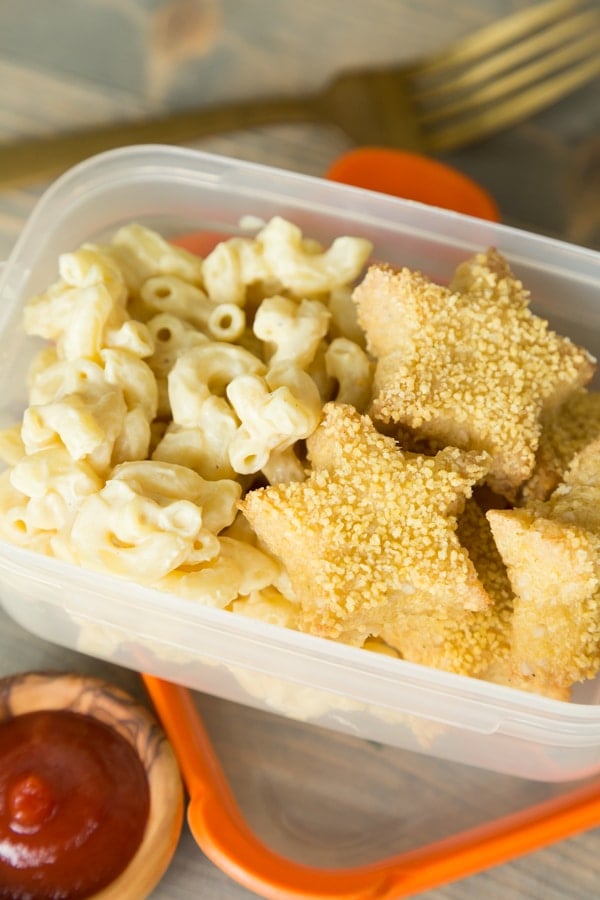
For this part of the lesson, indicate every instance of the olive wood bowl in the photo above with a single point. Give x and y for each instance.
(34, 691)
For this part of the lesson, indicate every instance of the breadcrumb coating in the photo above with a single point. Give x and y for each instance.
(463, 641)
(552, 553)
(372, 530)
(492, 629)
(469, 365)
(577, 498)
(565, 432)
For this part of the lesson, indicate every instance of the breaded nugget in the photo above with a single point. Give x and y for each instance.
(470, 365)
(565, 432)
(493, 627)
(371, 529)
(577, 499)
(552, 553)
(463, 641)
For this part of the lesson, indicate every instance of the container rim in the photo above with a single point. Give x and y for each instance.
(492, 707)
(139, 162)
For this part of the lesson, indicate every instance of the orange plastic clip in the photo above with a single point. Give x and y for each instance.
(413, 177)
(223, 835)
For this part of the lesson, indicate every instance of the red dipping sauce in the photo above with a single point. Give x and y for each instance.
(74, 802)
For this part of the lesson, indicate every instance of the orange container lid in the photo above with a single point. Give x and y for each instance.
(224, 836)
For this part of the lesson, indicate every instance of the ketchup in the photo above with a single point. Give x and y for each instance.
(74, 802)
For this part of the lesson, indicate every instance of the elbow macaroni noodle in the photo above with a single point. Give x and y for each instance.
(169, 383)
(275, 412)
(352, 369)
(293, 329)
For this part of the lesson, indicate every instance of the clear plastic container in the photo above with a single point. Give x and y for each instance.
(306, 678)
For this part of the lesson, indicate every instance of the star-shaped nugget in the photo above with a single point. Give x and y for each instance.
(470, 642)
(371, 529)
(565, 432)
(469, 365)
(552, 553)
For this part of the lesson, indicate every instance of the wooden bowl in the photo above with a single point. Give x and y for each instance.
(35, 691)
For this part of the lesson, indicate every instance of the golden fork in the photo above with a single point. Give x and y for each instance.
(485, 82)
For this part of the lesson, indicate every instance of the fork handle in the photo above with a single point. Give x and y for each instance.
(36, 158)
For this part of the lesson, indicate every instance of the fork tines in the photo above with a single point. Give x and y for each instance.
(507, 71)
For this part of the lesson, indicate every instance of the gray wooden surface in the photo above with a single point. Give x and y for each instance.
(316, 796)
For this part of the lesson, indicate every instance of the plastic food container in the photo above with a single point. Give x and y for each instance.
(306, 678)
